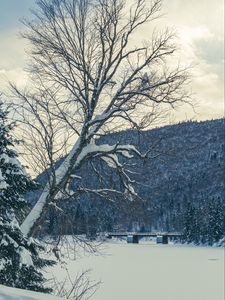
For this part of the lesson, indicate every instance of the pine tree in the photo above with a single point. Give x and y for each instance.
(215, 228)
(191, 226)
(20, 263)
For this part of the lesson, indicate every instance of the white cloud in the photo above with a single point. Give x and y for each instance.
(200, 29)
(16, 75)
(188, 34)
(199, 26)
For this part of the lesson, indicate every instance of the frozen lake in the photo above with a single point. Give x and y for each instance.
(148, 271)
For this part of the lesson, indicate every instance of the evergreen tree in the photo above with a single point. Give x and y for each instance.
(191, 226)
(20, 263)
(215, 221)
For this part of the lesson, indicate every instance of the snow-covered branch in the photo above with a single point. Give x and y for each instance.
(88, 77)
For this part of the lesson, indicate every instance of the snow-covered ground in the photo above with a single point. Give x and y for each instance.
(7, 293)
(148, 271)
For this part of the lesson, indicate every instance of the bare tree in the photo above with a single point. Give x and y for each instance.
(86, 78)
(80, 287)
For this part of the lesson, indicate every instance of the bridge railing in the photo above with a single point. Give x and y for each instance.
(133, 237)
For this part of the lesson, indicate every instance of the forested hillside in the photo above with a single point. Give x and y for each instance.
(181, 185)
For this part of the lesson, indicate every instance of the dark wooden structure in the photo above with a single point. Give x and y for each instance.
(162, 239)
(134, 237)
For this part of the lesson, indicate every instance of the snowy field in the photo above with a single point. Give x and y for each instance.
(7, 293)
(148, 271)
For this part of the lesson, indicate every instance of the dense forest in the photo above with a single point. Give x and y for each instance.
(180, 183)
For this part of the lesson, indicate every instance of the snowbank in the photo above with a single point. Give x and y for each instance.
(7, 293)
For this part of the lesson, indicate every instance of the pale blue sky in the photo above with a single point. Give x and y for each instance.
(200, 28)
(11, 11)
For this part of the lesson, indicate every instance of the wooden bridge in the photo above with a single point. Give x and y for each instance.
(134, 237)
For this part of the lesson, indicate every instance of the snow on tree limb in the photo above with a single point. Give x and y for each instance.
(87, 78)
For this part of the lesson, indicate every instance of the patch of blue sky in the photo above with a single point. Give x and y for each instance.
(11, 11)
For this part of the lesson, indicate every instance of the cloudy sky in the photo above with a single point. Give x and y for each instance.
(199, 26)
